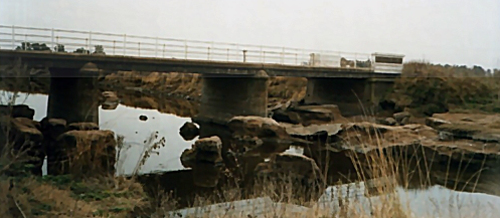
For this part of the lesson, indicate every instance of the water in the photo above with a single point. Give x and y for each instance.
(435, 201)
(125, 121)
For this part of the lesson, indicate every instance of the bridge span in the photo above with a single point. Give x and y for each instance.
(235, 76)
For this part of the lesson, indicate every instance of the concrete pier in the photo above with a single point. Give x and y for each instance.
(352, 96)
(224, 97)
(73, 94)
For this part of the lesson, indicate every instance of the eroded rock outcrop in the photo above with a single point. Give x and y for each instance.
(109, 100)
(84, 153)
(22, 140)
(204, 150)
(307, 114)
(259, 136)
(17, 111)
(205, 159)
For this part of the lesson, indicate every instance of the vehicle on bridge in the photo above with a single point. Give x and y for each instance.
(387, 63)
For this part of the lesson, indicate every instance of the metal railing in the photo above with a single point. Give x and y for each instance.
(12, 37)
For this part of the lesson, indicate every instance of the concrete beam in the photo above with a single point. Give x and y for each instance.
(114, 63)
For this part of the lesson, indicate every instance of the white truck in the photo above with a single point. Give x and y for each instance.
(387, 63)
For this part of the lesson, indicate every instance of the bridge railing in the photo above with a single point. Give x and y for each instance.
(12, 37)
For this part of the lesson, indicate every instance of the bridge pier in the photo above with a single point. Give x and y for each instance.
(224, 97)
(73, 94)
(352, 96)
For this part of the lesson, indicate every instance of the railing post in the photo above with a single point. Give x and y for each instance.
(227, 54)
(261, 56)
(156, 47)
(13, 37)
(124, 44)
(90, 40)
(114, 46)
(244, 56)
(87, 43)
(296, 59)
(208, 53)
(25, 41)
(355, 60)
(163, 50)
(264, 56)
(185, 49)
(139, 48)
(283, 56)
(52, 38)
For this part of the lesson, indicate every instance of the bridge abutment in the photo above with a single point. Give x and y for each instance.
(352, 96)
(74, 95)
(224, 97)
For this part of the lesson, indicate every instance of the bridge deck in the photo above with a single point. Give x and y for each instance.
(113, 63)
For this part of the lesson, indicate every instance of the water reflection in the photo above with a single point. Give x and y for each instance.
(125, 121)
(434, 201)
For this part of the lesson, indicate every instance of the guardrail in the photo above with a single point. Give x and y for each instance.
(12, 37)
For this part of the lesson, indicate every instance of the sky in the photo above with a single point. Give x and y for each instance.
(461, 32)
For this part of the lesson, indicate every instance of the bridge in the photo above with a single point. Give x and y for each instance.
(234, 75)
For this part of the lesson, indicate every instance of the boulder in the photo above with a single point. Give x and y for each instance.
(110, 100)
(259, 136)
(205, 159)
(17, 111)
(389, 121)
(83, 126)
(308, 114)
(405, 121)
(53, 127)
(255, 126)
(401, 115)
(189, 131)
(204, 150)
(435, 122)
(83, 153)
(188, 158)
(24, 140)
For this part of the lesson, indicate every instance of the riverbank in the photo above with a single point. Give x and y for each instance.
(422, 142)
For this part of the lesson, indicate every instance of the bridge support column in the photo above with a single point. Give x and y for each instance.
(73, 95)
(352, 96)
(224, 97)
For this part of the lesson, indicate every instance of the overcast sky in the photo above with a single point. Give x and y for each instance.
(441, 31)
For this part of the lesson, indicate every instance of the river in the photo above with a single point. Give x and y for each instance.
(435, 201)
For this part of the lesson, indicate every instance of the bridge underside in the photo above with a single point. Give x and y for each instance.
(229, 89)
(352, 96)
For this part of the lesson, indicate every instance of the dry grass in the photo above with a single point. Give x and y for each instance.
(64, 197)
(114, 197)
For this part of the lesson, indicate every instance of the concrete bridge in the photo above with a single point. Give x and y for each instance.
(234, 75)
